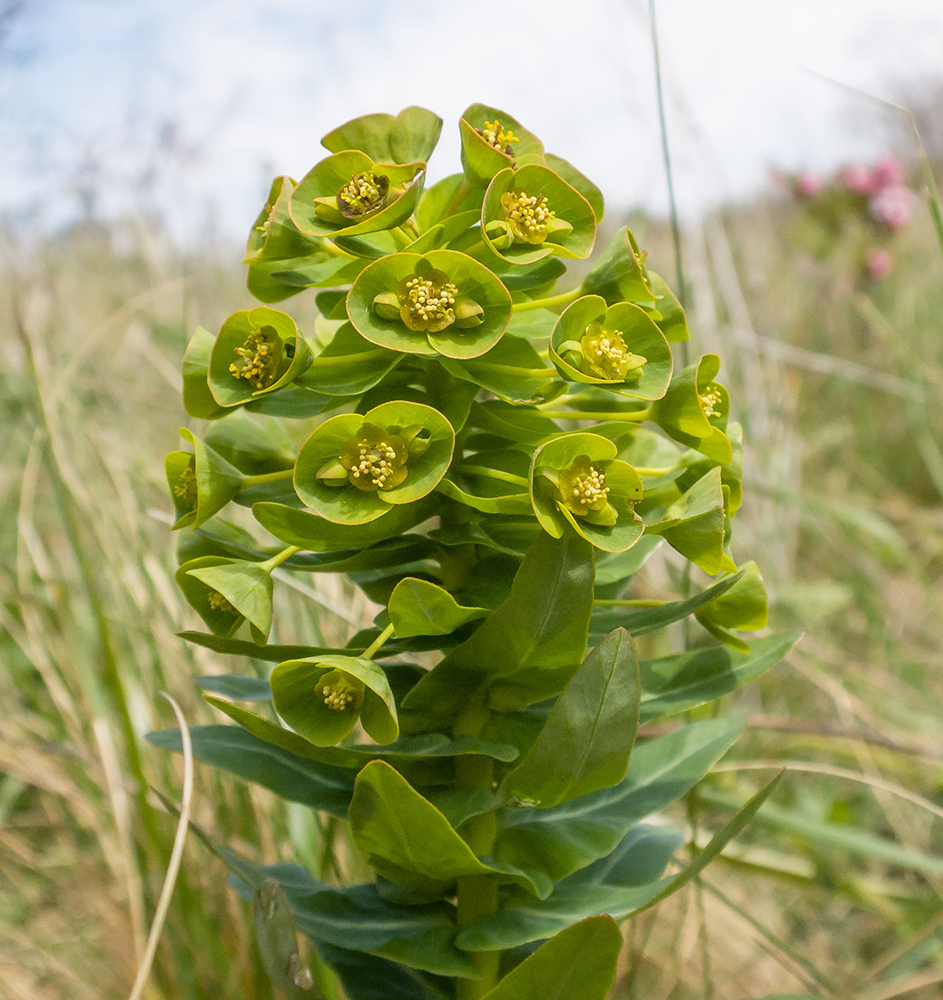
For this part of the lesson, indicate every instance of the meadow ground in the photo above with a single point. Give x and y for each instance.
(837, 891)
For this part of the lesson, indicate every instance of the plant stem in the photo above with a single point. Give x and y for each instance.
(279, 558)
(371, 650)
(331, 247)
(564, 298)
(477, 894)
(267, 477)
(457, 200)
(505, 477)
(633, 415)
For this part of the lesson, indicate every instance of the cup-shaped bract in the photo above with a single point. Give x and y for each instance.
(440, 302)
(347, 194)
(201, 483)
(273, 235)
(491, 141)
(198, 401)
(531, 212)
(225, 592)
(617, 346)
(258, 351)
(355, 467)
(695, 408)
(323, 697)
(404, 138)
(576, 480)
(619, 274)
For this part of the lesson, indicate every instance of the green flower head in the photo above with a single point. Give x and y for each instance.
(576, 480)
(618, 346)
(604, 353)
(263, 358)
(498, 137)
(375, 459)
(349, 194)
(363, 194)
(357, 467)
(323, 698)
(441, 302)
(582, 490)
(257, 351)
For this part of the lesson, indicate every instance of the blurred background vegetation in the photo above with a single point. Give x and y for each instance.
(836, 891)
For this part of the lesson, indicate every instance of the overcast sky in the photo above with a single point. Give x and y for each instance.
(188, 107)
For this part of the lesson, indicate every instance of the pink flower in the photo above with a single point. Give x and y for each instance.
(807, 184)
(859, 179)
(892, 205)
(888, 171)
(879, 263)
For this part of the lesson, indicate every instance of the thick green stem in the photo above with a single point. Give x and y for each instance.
(632, 415)
(279, 558)
(477, 895)
(378, 642)
(267, 477)
(564, 298)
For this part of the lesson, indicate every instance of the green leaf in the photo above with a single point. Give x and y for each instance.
(512, 369)
(489, 497)
(420, 608)
(676, 684)
(317, 534)
(236, 687)
(349, 365)
(369, 977)
(639, 621)
(695, 525)
(278, 946)
(742, 607)
(579, 181)
(410, 842)
(523, 919)
(561, 840)
(232, 749)
(672, 322)
(294, 686)
(357, 918)
(527, 649)
(586, 742)
(271, 654)
(410, 135)
(579, 963)
(255, 446)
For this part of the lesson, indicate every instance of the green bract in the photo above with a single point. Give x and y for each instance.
(440, 302)
(201, 484)
(409, 136)
(576, 479)
(618, 346)
(257, 351)
(347, 194)
(354, 467)
(227, 592)
(694, 410)
(322, 698)
(531, 212)
(492, 141)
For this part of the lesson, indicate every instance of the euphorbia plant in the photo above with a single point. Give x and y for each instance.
(493, 461)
